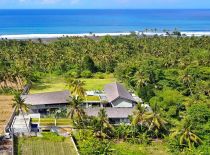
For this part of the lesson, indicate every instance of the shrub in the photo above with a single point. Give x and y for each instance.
(75, 73)
(89, 144)
(199, 113)
(35, 76)
(86, 74)
(172, 144)
(99, 75)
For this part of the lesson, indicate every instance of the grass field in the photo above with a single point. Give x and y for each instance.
(124, 148)
(51, 122)
(97, 84)
(5, 110)
(49, 144)
(57, 83)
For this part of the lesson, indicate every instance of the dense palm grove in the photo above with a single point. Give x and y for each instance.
(171, 74)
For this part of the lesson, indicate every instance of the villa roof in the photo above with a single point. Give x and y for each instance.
(111, 112)
(115, 90)
(60, 97)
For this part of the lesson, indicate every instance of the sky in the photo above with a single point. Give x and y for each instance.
(104, 4)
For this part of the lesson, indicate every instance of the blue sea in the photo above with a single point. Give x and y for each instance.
(101, 21)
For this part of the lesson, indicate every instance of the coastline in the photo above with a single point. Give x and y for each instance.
(54, 36)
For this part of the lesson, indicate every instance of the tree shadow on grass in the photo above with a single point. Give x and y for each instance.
(40, 86)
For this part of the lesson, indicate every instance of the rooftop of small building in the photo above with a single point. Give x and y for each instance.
(58, 97)
(115, 90)
(111, 112)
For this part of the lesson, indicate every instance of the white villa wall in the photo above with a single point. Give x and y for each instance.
(122, 103)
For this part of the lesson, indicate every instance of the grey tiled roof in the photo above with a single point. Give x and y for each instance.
(116, 90)
(111, 112)
(47, 98)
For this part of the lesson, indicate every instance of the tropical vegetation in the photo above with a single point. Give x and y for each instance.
(171, 74)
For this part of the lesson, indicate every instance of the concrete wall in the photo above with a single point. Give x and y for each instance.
(9, 123)
(122, 103)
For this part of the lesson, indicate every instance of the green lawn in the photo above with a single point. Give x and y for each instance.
(51, 122)
(57, 83)
(92, 98)
(97, 84)
(124, 148)
(49, 144)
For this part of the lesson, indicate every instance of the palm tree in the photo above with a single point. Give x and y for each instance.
(75, 110)
(187, 79)
(77, 87)
(154, 121)
(141, 79)
(138, 115)
(122, 131)
(186, 135)
(103, 128)
(20, 107)
(106, 150)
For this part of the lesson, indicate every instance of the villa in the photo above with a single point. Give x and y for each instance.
(119, 103)
(116, 100)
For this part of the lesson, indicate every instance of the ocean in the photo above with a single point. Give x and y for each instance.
(101, 21)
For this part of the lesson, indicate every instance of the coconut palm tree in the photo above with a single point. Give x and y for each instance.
(138, 115)
(20, 107)
(122, 131)
(75, 110)
(187, 80)
(102, 127)
(154, 121)
(141, 79)
(76, 87)
(185, 134)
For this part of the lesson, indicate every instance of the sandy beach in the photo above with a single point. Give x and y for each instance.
(51, 36)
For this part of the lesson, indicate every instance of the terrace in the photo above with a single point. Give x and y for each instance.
(42, 122)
